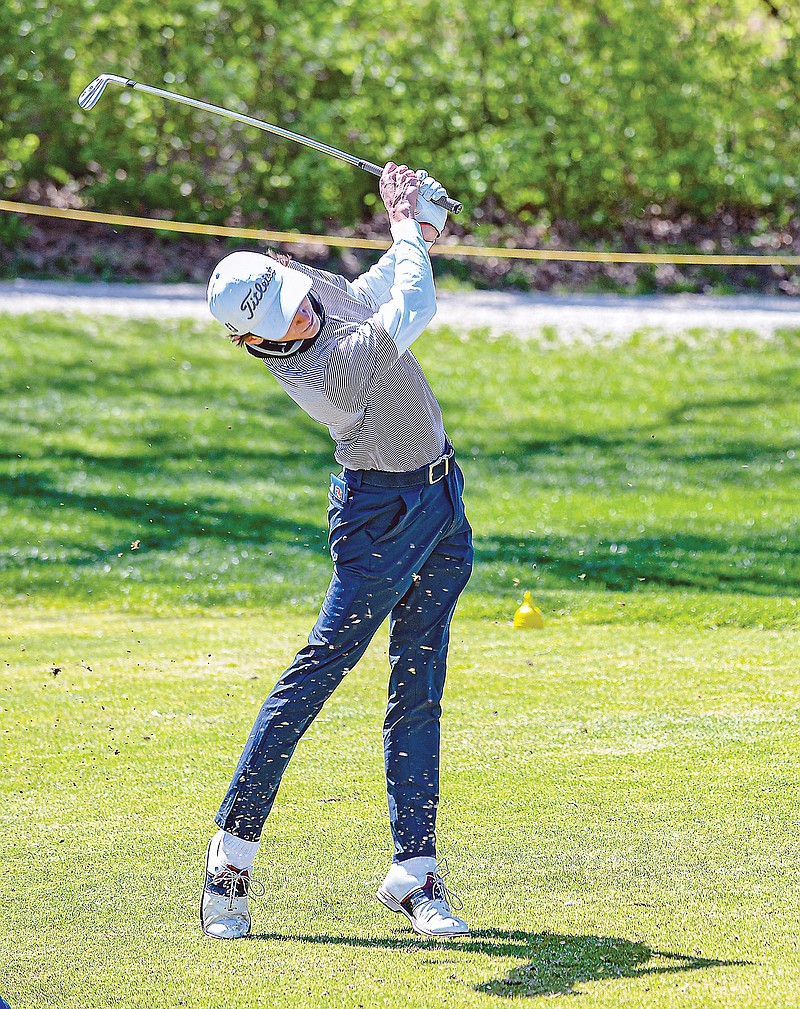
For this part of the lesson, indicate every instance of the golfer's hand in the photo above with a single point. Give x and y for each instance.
(399, 187)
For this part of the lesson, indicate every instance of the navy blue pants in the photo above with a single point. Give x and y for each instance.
(401, 551)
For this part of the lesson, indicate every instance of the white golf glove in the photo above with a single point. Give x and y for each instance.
(428, 212)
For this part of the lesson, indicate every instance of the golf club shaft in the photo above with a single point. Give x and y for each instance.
(91, 94)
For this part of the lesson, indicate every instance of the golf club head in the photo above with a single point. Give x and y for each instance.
(90, 95)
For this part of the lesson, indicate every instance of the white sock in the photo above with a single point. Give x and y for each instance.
(229, 850)
(403, 877)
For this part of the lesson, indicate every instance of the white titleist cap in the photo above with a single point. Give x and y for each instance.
(252, 293)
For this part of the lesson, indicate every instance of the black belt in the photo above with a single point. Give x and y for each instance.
(432, 473)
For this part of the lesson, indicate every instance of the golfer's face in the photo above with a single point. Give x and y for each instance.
(305, 325)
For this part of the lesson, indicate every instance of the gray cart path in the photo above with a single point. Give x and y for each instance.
(576, 318)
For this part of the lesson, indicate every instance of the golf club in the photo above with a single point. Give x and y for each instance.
(90, 96)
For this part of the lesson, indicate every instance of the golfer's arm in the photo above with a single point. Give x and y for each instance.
(412, 295)
(373, 287)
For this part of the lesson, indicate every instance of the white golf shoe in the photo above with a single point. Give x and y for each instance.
(223, 904)
(416, 889)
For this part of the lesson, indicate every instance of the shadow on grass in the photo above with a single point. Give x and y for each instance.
(167, 523)
(186, 478)
(752, 564)
(554, 963)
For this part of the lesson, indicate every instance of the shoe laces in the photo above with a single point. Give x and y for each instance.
(238, 883)
(440, 891)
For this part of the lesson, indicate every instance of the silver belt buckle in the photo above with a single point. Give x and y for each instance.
(432, 478)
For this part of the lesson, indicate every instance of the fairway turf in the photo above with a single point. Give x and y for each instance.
(619, 790)
(660, 473)
(618, 812)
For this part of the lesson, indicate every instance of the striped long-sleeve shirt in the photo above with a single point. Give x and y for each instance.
(358, 377)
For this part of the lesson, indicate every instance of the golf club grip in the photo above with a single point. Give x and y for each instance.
(453, 206)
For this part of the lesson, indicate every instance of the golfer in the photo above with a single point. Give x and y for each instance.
(399, 538)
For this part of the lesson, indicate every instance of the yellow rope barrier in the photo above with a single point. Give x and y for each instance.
(187, 227)
(484, 252)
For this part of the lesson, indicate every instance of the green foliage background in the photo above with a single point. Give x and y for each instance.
(587, 111)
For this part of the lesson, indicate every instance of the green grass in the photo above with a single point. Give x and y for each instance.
(619, 789)
(662, 476)
(619, 811)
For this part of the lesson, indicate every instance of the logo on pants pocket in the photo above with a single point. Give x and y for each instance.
(338, 489)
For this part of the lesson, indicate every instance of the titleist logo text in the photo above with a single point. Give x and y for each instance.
(252, 299)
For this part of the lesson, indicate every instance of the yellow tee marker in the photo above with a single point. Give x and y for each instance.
(528, 615)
